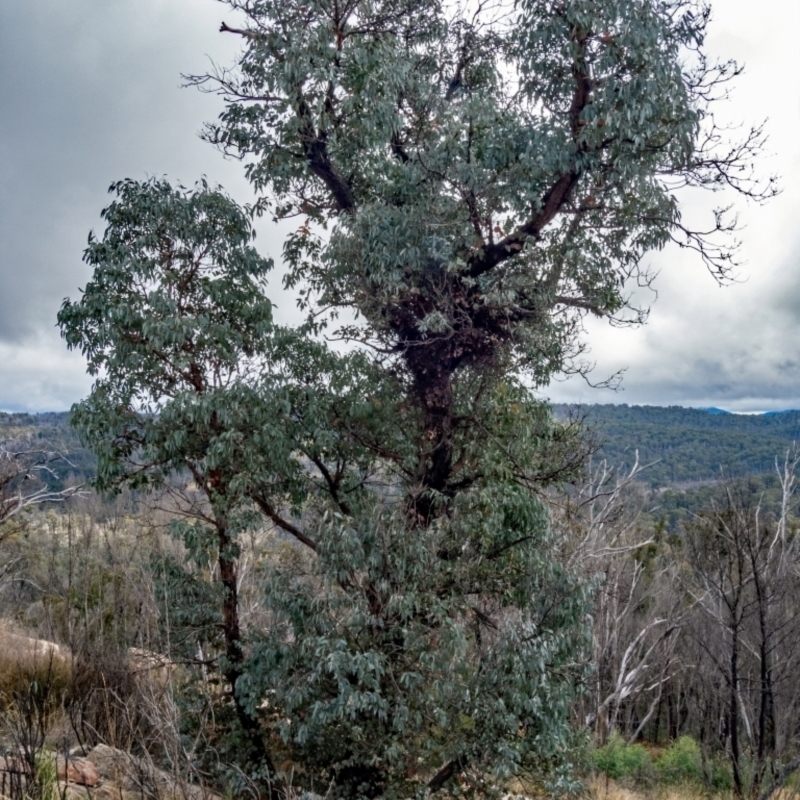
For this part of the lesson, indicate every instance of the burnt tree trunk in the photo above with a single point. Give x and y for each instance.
(766, 713)
(733, 714)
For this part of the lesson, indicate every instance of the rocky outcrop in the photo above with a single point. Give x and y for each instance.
(77, 770)
(132, 774)
(105, 773)
(152, 668)
(25, 658)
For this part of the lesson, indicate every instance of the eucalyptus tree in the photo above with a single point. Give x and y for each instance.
(488, 175)
(392, 641)
(469, 183)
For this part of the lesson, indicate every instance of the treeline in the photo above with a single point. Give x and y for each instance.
(682, 446)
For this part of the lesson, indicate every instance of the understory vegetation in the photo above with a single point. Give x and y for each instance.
(111, 634)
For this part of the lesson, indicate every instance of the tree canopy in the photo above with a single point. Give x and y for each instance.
(470, 182)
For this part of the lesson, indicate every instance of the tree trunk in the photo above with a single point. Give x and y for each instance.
(733, 715)
(433, 390)
(256, 756)
(766, 711)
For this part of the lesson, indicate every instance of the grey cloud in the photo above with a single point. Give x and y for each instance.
(734, 347)
(785, 295)
(41, 376)
(90, 92)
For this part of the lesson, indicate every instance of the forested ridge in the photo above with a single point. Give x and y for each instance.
(51, 434)
(682, 447)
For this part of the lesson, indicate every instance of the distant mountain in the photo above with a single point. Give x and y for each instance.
(691, 445)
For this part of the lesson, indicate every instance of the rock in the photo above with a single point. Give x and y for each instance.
(73, 791)
(21, 649)
(118, 766)
(104, 791)
(77, 770)
(111, 764)
(24, 659)
(73, 772)
(154, 668)
(132, 774)
(13, 777)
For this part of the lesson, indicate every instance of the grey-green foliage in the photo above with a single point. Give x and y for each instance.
(440, 660)
(155, 322)
(472, 182)
(397, 643)
(501, 162)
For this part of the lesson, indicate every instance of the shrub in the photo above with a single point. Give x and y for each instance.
(719, 775)
(681, 762)
(620, 760)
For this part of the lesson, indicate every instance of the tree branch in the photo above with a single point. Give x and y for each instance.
(489, 256)
(225, 28)
(333, 483)
(283, 524)
(315, 150)
(445, 773)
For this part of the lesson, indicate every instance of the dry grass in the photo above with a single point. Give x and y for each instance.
(599, 788)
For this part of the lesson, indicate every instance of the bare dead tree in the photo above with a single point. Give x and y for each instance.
(636, 615)
(744, 577)
(22, 473)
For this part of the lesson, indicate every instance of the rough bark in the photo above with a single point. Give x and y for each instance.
(256, 757)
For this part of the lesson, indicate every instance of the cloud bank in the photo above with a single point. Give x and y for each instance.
(91, 93)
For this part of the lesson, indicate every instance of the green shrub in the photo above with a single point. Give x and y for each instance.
(721, 775)
(620, 760)
(681, 762)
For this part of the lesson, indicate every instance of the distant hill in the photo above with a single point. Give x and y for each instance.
(51, 432)
(691, 445)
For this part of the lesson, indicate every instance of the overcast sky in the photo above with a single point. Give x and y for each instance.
(90, 92)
